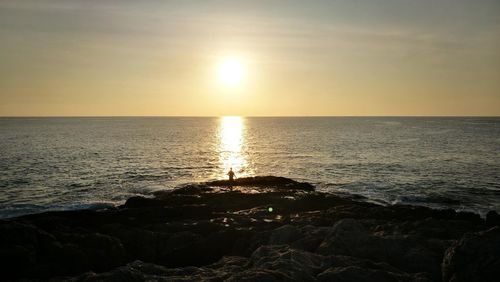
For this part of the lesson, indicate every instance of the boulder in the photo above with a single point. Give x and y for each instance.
(285, 234)
(296, 265)
(411, 254)
(492, 218)
(475, 257)
(347, 237)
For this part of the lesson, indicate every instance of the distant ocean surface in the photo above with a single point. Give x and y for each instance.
(72, 163)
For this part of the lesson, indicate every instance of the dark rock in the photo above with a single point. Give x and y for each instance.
(141, 271)
(192, 189)
(492, 218)
(346, 237)
(259, 275)
(354, 273)
(296, 265)
(285, 234)
(230, 264)
(475, 257)
(469, 216)
(311, 238)
(265, 181)
(208, 232)
(141, 202)
(345, 261)
(349, 237)
(136, 271)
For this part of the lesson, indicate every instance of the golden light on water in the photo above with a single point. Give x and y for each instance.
(231, 145)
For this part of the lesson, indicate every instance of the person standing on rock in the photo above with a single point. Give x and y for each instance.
(231, 174)
(231, 178)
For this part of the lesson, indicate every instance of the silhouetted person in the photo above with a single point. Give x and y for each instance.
(231, 175)
(231, 178)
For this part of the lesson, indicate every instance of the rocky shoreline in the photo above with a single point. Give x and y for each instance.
(260, 229)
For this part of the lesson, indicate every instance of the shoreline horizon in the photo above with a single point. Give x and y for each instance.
(98, 205)
(263, 116)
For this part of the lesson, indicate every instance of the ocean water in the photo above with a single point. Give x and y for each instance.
(71, 163)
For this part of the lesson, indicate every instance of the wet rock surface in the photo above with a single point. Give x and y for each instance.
(254, 229)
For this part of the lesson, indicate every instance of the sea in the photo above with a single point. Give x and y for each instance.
(66, 163)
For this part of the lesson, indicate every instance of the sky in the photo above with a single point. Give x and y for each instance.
(301, 58)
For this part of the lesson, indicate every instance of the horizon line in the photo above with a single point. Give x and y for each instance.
(251, 116)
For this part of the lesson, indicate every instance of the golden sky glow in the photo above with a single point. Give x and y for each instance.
(293, 58)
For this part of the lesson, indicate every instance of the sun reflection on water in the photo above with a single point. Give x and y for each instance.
(231, 129)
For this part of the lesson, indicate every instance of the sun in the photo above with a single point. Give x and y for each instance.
(231, 71)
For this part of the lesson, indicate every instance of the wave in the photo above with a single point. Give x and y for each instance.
(429, 199)
(146, 177)
(26, 209)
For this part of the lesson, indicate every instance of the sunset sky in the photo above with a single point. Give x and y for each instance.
(296, 58)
